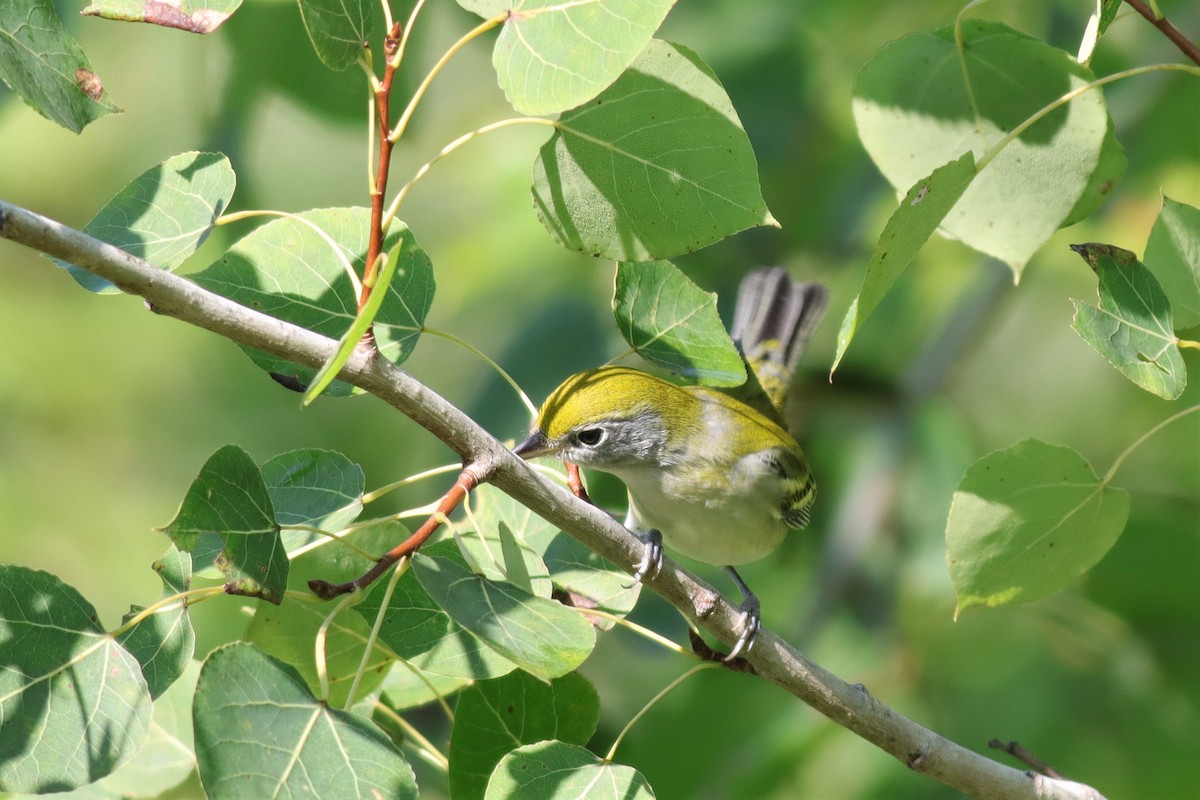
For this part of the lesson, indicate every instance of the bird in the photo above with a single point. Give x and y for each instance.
(713, 476)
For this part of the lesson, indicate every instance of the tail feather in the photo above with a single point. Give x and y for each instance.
(772, 322)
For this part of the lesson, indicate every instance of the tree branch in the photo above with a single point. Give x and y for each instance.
(772, 658)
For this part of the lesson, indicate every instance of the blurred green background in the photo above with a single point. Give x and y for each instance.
(107, 411)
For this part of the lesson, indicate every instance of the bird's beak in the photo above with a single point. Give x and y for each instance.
(536, 445)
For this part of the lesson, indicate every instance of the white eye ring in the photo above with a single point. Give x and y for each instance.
(591, 437)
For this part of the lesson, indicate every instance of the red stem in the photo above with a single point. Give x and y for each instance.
(467, 480)
(382, 96)
(1188, 48)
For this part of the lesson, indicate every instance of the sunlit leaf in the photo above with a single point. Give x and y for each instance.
(169, 756)
(73, 703)
(163, 642)
(163, 215)
(588, 581)
(674, 324)
(314, 488)
(261, 733)
(417, 629)
(42, 63)
(407, 686)
(657, 165)
(492, 508)
(289, 631)
(561, 771)
(227, 517)
(501, 556)
(920, 213)
(1173, 255)
(542, 636)
(1132, 325)
(493, 717)
(194, 16)
(551, 56)
(288, 270)
(914, 111)
(1026, 521)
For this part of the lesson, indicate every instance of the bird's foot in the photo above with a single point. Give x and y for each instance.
(652, 558)
(751, 618)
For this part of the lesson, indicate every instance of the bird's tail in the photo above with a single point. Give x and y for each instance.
(772, 323)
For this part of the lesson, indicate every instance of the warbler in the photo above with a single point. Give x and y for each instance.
(717, 478)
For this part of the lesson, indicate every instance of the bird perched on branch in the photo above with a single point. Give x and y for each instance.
(713, 476)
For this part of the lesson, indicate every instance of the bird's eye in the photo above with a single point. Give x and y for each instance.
(590, 437)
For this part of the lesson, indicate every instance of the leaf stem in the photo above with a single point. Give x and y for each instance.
(1068, 97)
(330, 536)
(185, 599)
(419, 93)
(450, 148)
(319, 645)
(653, 636)
(654, 701)
(1121, 458)
(373, 637)
(524, 398)
(1187, 343)
(372, 496)
(421, 745)
(408, 27)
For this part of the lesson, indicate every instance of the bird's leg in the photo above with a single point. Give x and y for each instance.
(652, 558)
(751, 617)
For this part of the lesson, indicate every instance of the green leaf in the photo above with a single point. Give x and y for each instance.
(559, 771)
(588, 581)
(491, 508)
(501, 556)
(657, 165)
(193, 16)
(1108, 12)
(289, 631)
(1026, 521)
(73, 702)
(672, 323)
(362, 323)
(315, 488)
(417, 629)
(169, 756)
(1132, 325)
(338, 29)
(542, 636)
(163, 642)
(494, 716)
(920, 213)
(1103, 180)
(286, 269)
(227, 516)
(1173, 255)
(42, 63)
(407, 686)
(261, 733)
(163, 215)
(914, 111)
(551, 56)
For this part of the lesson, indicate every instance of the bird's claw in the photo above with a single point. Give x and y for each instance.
(652, 558)
(751, 622)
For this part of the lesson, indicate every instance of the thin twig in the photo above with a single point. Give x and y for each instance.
(1185, 45)
(468, 479)
(1027, 758)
